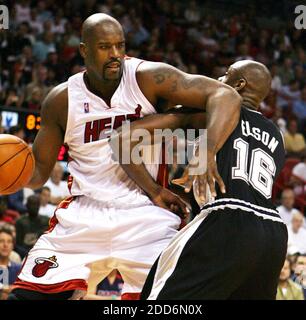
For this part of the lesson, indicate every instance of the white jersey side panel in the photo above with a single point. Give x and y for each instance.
(90, 121)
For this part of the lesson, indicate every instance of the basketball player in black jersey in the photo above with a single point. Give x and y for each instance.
(236, 246)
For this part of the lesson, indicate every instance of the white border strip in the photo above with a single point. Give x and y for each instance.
(237, 206)
(242, 202)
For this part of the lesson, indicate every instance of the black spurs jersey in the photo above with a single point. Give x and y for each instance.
(251, 159)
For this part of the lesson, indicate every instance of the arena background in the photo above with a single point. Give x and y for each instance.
(40, 50)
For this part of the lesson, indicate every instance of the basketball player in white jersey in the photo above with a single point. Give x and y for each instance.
(109, 222)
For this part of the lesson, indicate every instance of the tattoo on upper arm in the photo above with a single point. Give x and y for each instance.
(178, 80)
(160, 77)
(188, 83)
(174, 86)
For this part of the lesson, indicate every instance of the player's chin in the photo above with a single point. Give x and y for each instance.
(112, 74)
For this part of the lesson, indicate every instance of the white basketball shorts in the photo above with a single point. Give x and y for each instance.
(86, 241)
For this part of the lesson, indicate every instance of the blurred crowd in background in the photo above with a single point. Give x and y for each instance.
(40, 50)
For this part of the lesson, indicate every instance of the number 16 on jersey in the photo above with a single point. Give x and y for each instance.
(261, 171)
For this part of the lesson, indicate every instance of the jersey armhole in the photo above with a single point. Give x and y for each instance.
(138, 88)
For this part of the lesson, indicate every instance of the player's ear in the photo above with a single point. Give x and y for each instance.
(83, 49)
(240, 84)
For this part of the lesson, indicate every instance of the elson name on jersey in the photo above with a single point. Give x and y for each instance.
(259, 135)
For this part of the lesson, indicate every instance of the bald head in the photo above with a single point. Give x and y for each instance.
(251, 79)
(103, 49)
(99, 22)
(257, 76)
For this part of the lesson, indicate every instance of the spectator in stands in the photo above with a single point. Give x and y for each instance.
(42, 47)
(30, 226)
(53, 63)
(292, 258)
(300, 272)
(139, 33)
(58, 24)
(296, 235)
(13, 99)
(35, 98)
(286, 210)
(294, 142)
(57, 186)
(109, 288)
(276, 82)
(46, 209)
(22, 9)
(299, 106)
(14, 256)
(243, 51)
(25, 63)
(21, 39)
(192, 13)
(40, 74)
(288, 94)
(299, 74)
(17, 131)
(286, 71)
(44, 13)
(35, 23)
(287, 289)
(7, 267)
(279, 120)
(298, 178)
(6, 215)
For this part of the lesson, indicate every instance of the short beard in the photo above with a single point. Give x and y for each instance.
(105, 78)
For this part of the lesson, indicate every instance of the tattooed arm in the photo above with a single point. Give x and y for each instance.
(220, 101)
(160, 81)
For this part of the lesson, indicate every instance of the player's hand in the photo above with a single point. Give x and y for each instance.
(164, 198)
(199, 182)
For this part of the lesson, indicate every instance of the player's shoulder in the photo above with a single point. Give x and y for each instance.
(150, 67)
(58, 94)
(55, 106)
(259, 119)
(56, 99)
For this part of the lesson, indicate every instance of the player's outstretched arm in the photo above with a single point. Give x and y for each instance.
(49, 138)
(138, 172)
(221, 103)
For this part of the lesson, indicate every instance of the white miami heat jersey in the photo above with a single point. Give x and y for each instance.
(90, 122)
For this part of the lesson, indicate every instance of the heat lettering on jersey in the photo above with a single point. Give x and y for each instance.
(259, 135)
(102, 128)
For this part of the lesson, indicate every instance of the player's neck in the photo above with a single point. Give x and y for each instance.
(250, 105)
(101, 88)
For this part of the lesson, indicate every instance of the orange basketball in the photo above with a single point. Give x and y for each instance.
(16, 164)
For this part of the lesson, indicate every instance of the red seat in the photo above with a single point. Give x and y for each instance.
(282, 180)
